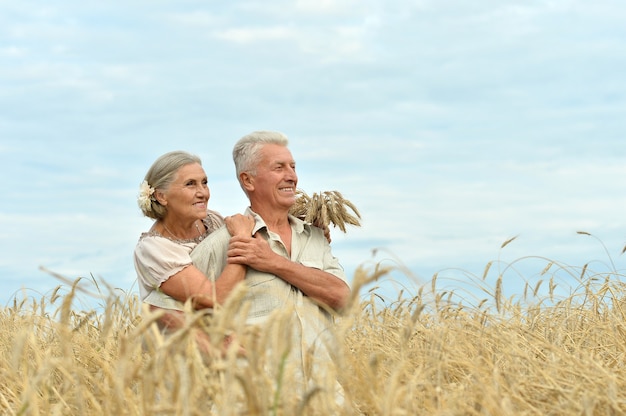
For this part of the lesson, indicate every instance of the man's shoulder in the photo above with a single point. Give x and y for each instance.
(220, 235)
(216, 242)
(300, 226)
(308, 229)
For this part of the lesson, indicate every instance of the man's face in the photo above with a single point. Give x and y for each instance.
(276, 179)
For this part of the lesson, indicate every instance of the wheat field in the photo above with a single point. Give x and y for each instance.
(436, 352)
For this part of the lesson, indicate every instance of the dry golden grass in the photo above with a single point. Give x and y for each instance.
(325, 208)
(425, 354)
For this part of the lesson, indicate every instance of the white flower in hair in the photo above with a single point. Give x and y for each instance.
(144, 199)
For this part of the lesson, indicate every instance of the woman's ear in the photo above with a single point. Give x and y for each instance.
(160, 197)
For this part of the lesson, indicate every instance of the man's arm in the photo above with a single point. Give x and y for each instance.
(319, 285)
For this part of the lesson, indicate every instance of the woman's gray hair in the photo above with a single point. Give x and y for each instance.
(246, 153)
(161, 175)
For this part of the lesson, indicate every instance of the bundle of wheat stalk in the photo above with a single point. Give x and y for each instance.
(322, 209)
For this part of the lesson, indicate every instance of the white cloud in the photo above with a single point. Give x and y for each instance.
(306, 9)
(199, 18)
(333, 44)
(346, 8)
(13, 51)
(257, 35)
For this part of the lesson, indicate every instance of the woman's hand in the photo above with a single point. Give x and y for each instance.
(324, 228)
(239, 225)
(327, 233)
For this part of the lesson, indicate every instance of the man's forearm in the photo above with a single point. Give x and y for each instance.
(319, 285)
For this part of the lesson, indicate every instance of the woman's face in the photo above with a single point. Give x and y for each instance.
(188, 195)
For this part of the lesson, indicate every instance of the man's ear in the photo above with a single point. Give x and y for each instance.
(247, 181)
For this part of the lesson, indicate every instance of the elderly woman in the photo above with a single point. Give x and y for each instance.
(175, 194)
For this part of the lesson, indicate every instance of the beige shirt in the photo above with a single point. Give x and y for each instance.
(267, 293)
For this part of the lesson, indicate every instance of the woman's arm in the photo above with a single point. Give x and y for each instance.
(191, 283)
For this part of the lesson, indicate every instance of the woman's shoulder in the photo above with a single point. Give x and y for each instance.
(213, 220)
(153, 240)
(151, 235)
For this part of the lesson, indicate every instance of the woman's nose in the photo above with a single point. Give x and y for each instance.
(204, 190)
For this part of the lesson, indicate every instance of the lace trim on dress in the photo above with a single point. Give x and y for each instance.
(211, 222)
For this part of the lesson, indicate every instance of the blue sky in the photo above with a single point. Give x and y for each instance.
(452, 125)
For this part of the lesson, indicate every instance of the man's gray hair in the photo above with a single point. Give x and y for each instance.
(246, 153)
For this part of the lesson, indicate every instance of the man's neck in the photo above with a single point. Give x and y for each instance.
(274, 220)
(278, 222)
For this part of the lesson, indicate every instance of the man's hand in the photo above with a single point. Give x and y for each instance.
(254, 252)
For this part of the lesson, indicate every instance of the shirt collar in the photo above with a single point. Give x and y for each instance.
(295, 222)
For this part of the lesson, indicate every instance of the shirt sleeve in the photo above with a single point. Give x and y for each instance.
(209, 256)
(158, 259)
(318, 254)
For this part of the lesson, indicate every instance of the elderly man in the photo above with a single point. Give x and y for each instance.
(290, 263)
